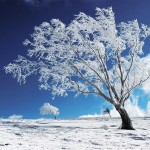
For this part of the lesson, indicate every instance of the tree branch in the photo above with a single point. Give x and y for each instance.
(132, 58)
(100, 93)
(81, 91)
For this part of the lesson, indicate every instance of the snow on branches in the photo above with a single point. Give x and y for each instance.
(91, 55)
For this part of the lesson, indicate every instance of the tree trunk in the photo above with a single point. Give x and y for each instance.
(126, 121)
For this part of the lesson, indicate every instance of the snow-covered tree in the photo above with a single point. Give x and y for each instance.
(48, 109)
(91, 55)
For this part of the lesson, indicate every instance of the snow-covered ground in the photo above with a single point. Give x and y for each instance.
(79, 134)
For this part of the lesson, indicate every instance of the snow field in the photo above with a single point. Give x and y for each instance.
(79, 134)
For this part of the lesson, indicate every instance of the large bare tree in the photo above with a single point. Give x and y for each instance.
(88, 56)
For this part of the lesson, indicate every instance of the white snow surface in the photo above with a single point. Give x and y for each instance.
(73, 134)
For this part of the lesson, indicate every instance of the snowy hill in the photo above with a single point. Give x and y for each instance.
(73, 134)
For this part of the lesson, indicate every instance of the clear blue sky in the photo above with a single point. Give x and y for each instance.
(17, 20)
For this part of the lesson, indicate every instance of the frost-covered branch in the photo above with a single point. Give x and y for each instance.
(91, 55)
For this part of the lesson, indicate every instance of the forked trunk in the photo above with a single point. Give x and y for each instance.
(126, 121)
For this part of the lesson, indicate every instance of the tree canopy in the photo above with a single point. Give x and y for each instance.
(48, 109)
(91, 55)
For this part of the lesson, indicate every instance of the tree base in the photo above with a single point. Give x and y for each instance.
(127, 128)
(126, 121)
